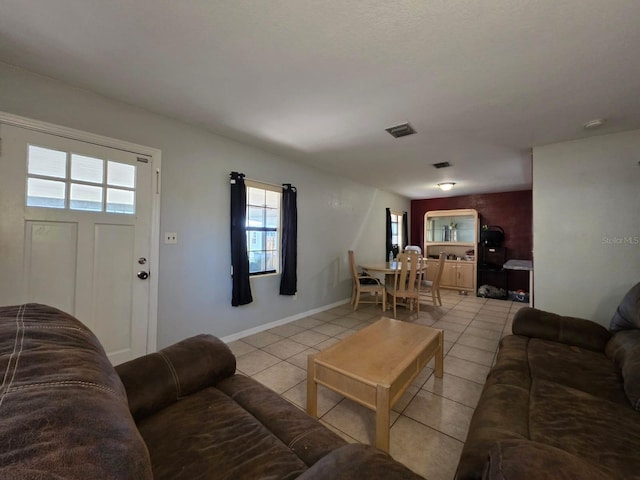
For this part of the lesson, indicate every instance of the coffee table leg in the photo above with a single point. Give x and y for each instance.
(312, 387)
(382, 418)
(440, 355)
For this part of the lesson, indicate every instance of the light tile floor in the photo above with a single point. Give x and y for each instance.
(429, 423)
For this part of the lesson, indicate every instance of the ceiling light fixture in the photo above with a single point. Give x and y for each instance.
(595, 123)
(446, 186)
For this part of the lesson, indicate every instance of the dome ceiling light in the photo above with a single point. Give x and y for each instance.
(446, 186)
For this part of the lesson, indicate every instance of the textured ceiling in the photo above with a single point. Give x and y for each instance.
(318, 82)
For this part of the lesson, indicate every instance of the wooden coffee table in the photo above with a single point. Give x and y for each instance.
(374, 367)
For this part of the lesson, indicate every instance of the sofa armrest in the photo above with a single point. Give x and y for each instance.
(356, 460)
(157, 380)
(531, 322)
(527, 460)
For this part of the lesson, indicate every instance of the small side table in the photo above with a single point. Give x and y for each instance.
(513, 264)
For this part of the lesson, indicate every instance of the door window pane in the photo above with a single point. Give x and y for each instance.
(86, 169)
(45, 193)
(85, 197)
(83, 182)
(121, 174)
(47, 162)
(120, 201)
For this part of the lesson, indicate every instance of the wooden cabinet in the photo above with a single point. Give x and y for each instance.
(458, 274)
(466, 276)
(454, 232)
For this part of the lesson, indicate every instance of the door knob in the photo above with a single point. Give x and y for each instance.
(143, 275)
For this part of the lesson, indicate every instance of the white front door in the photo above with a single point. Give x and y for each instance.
(75, 233)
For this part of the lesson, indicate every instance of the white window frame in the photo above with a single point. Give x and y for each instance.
(397, 219)
(278, 229)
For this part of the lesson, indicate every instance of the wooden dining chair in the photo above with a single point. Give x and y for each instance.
(413, 248)
(433, 286)
(405, 282)
(365, 283)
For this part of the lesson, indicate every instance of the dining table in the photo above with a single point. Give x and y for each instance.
(387, 268)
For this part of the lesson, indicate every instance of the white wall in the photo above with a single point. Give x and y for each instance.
(586, 224)
(334, 214)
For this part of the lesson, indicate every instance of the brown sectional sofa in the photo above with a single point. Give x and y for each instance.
(180, 413)
(561, 401)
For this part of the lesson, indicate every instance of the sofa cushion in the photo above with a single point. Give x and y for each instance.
(304, 435)
(527, 460)
(579, 368)
(624, 349)
(64, 410)
(358, 461)
(208, 435)
(586, 426)
(627, 314)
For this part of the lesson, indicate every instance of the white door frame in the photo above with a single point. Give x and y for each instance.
(156, 155)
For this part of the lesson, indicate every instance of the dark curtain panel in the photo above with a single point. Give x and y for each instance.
(389, 244)
(405, 231)
(241, 291)
(289, 279)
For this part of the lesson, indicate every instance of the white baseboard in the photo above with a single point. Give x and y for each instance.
(282, 321)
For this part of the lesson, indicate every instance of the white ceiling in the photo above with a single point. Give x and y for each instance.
(319, 81)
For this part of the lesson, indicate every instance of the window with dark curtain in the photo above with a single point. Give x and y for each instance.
(241, 289)
(389, 243)
(289, 279)
(405, 230)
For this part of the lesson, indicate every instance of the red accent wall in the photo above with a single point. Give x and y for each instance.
(513, 211)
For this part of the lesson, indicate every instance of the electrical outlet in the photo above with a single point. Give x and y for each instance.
(171, 237)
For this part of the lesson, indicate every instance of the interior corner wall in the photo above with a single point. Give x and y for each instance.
(586, 224)
(334, 214)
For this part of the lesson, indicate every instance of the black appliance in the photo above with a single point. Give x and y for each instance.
(492, 236)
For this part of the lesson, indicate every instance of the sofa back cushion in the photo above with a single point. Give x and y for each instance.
(624, 349)
(627, 315)
(63, 409)
(157, 380)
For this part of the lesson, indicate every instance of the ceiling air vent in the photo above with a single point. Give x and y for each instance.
(441, 165)
(401, 130)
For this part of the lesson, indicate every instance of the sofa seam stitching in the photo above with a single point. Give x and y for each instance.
(62, 383)
(300, 436)
(174, 374)
(19, 334)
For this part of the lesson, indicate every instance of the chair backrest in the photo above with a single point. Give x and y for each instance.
(407, 273)
(352, 264)
(438, 276)
(414, 248)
